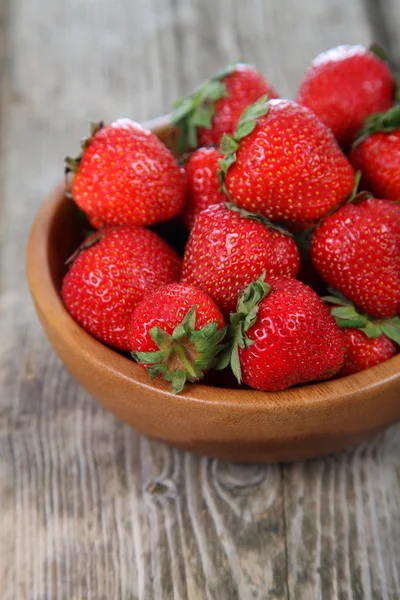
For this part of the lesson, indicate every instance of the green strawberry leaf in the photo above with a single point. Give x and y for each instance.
(212, 92)
(192, 135)
(198, 110)
(148, 358)
(391, 328)
(183, 106)
(372, 330)
(224, 357)
(248, 118)
(385, 122)
(334, 300)
(235, 362)
(347, 316)
(244, 128)
(335, 297)
(155, 370)
(391, 119)
(178, 381)
(345, 323)
(245, 317)
(202, 118)
(224, 164)
(379, 51)
(206, 333)
(160, 337)
(251, 296)
(187, 325)
(230, 144)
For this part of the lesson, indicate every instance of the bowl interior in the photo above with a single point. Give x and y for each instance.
(58, 230)
(67, 228)
(239, 424)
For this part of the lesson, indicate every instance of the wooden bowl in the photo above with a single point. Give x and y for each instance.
(236, 424)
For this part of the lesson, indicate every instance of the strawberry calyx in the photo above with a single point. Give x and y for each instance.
(230, 143)
(257, 217)
(379, 52)
(380, 122)
(184, 355)
(198, 109)
(348, 317)
(240, 322)
(72, 164)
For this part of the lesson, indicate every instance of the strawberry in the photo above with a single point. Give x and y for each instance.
(203, 187)
(112, 272)
(376, 153)
(368, 342)
(357, 251)
(126, 176)
(363, 352)
(345, 85)
(284, 163)
(282, 335)
(228, 248)
(176, 333)
(215, 107)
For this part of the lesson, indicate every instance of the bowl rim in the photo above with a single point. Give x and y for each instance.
(47, 298)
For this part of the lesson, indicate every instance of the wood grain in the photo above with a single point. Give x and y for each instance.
(90, 510)
(384, 17)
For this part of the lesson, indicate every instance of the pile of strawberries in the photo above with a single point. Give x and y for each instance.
(286, 273)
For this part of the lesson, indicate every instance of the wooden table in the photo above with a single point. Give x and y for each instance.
(88, 508)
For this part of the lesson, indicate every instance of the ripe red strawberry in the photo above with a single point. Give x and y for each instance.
(113, 271)
(126, 176)
(228, 248)
(203, 187)
(283, 335)
(367, 342)
(215, 107)
(377, 154)
(176, 333)
(363, 352)
(345, 85)
(357, 251)
(284, 163)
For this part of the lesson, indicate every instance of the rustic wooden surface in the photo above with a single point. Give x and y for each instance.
(89, 509)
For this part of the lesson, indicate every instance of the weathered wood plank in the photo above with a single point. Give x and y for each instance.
(89, 509)
(342, 531)
(385, 19)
